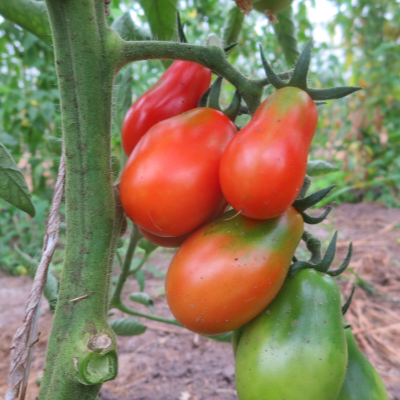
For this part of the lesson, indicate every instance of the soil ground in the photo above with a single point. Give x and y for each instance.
(170, 363)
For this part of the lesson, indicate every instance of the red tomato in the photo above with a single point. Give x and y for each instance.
(174, 241)
(170, 184)
(230, 269)
(177, 91)
(264, 166)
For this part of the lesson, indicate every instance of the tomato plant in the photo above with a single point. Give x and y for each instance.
(170, 183)
(296, 345)
(227, 271)
(178, 90)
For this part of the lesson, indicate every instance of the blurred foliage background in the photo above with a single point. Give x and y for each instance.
(357, 42)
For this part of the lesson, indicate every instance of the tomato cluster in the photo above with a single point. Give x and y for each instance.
(233, 270)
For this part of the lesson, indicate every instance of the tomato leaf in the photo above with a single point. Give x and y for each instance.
(142, 298)
(320, 167)
(13, 187)
(127, 327)
(161, 15)
(147, 246)
(141, 279)
(223, 338)
(286, 36)
(127, 29)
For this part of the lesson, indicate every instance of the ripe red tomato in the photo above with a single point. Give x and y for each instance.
(230, 269)
(178, 90)
(170, 184)
(174, 241)
(264, 166)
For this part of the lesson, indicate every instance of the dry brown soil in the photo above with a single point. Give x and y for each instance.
(171, 363)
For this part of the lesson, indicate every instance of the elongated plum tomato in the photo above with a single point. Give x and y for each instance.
(178, 90)
(264, 166)
(170, 184)
(230, 269)
(296, 348)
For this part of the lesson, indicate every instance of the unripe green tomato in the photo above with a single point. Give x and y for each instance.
(296, 348)
(362, 382)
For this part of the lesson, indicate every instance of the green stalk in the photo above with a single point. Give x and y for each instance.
(81, 351)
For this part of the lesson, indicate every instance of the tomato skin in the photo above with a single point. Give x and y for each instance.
(170, 184)
(228, 270)
(362, 382)
(178, 90)
(169, 242)
(264, 166)
(297, 345)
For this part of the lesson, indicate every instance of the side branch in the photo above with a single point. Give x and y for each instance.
(212, 57)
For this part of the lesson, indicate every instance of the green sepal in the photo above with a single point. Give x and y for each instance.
(230, 47)
(181, 33)
(332, 93)
(299, 77)
(346, 305)
(346, 326)
(308, 219)
(204, 99)
(345, 264)
(313, 246)
(310, 201)
(324, 265)
(233, 109)
(274, 79)
(215, 91)
(320, 103)
(97, 368)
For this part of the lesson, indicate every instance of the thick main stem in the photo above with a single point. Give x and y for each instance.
(84, 56)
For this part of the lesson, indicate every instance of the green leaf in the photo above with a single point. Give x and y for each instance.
(161, 16)
(147, 246)
(141, 279)
(286, 35)
(122, 95)
(320, 167)
(13, 187)
(224, 337)
(156, 272)
(127, 327)
(142, 298)
(126, 28)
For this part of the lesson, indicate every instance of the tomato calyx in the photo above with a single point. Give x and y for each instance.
(326, 262)
(210, 99)
(299, 78)
(302, 203)
(346, 305)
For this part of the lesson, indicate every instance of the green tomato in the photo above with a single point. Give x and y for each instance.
(296, 348)
(362, 382)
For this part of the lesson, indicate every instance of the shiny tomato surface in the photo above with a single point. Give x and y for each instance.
(170, 184)
(264, 166)
(178, 90)
(230, 269)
